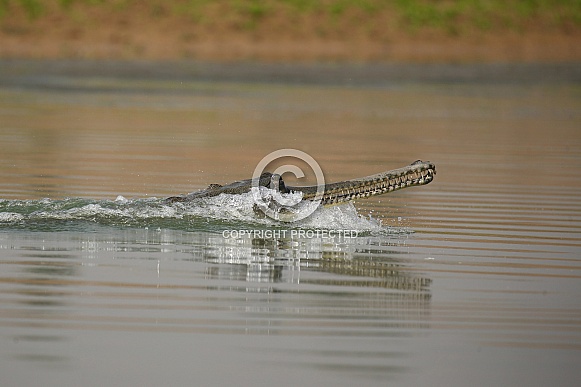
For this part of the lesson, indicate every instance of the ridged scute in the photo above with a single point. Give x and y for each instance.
(418, 173)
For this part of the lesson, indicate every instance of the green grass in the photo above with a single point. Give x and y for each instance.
(452, 16)
(488, 14)
(33, 8)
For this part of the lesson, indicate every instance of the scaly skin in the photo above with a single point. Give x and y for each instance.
(417, 173)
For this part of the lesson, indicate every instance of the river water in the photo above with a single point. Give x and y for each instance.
(472, 279)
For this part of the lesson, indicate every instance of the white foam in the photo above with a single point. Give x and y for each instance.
(121, 199)
(232, 209)
(241, 208)
(10, 217)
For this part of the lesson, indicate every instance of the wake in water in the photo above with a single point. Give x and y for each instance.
(206, 214)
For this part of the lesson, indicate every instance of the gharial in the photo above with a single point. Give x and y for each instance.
(415, 174)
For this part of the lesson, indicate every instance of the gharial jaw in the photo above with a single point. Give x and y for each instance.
(415, 174)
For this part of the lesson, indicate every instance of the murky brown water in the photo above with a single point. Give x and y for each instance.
(473, 279)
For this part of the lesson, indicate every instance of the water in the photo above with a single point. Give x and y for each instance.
(475, 277)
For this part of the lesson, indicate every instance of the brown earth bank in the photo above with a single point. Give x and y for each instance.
(137, 33)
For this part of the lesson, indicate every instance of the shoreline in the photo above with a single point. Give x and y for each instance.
(529, 48)
(67, 74)
(223, 33)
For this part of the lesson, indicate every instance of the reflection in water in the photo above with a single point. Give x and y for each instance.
(261, 260)
(320, 266)
(169, 281)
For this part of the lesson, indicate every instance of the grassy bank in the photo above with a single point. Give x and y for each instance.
(191, 26)
(450, 16)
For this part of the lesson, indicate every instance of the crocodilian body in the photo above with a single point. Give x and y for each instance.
(415, 174)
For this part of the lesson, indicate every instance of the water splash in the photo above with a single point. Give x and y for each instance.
(206, 214)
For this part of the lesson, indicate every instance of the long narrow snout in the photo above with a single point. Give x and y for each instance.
(417, 173)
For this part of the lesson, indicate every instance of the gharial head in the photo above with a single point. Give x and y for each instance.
(417, 173)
